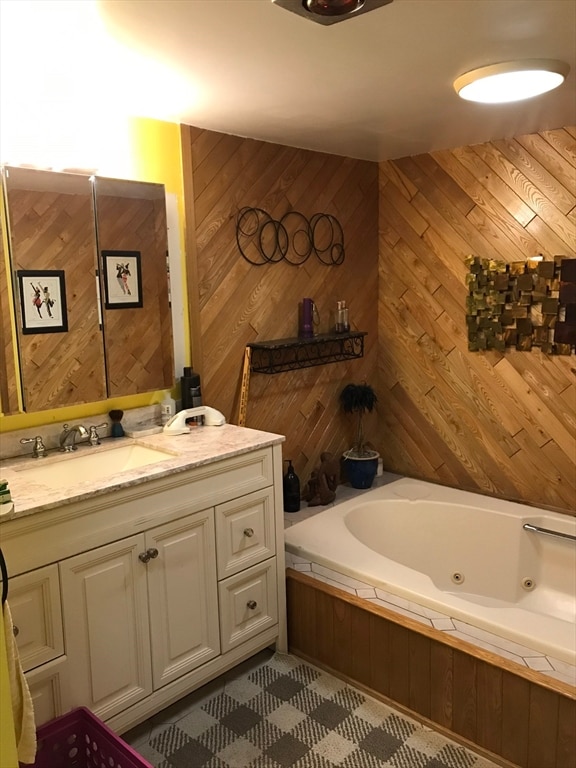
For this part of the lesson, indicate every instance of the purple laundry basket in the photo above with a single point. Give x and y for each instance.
(79, 739)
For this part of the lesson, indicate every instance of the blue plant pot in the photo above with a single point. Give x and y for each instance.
(361, 472)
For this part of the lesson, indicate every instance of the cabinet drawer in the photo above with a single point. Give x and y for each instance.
(48, 689)
(245, 532)
(37, 616)
(248, 604)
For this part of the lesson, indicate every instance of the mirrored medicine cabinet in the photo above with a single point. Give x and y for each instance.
(84, 290)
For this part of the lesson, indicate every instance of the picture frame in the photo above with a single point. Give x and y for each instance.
(42, 300)
(122, 271)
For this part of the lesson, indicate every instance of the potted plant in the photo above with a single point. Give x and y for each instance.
(361, 462)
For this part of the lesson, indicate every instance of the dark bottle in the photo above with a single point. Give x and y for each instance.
(190, 388)
(291, 489)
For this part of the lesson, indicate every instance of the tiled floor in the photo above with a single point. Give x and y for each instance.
(276, 711)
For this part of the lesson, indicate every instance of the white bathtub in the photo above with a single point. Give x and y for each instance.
(460, 553)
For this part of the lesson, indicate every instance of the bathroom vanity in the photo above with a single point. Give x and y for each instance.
(131, 590)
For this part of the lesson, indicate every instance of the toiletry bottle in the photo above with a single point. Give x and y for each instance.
(190, 386)
(291, 489)
(342, 324)
(167, 408)
(307, 319)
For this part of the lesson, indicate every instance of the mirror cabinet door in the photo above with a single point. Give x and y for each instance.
(8, 370)
(53, 259)
(133, 251)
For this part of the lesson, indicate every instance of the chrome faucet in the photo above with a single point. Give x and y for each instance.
(69, 435)
(39, 449)
(94, 438)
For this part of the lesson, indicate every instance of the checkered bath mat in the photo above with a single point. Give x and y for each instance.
(288, 714)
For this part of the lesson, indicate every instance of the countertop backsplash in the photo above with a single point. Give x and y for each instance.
(135, 419)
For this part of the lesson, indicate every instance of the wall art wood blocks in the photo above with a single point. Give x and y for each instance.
(519, 305)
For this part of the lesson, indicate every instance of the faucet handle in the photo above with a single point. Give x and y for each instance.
(39, 449)
(94, 438)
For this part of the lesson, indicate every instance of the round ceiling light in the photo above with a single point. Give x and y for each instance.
(511, 80)
(333, 7)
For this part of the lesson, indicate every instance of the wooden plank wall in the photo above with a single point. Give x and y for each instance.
(237, 302)
(470, 693)
(500, 424)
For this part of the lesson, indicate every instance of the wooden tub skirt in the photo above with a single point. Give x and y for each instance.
(513, 715)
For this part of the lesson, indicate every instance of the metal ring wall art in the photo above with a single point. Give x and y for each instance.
(264, 240)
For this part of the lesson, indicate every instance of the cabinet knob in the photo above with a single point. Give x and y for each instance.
(150, 554)
(248, 532)
(252, 604)
(15, 630)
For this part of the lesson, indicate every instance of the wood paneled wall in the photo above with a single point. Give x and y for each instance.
(503, 425)
(500, 424)
(491, 702)
(239, 303)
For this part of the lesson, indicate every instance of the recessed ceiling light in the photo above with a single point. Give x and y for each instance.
(330, 11)
(511, 80)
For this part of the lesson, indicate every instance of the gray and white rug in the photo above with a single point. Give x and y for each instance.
(288, 714)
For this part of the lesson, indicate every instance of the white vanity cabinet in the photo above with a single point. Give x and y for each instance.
(138, 596)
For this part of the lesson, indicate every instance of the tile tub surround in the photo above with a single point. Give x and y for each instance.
(202, 446)
(276, 711)
(525, 657)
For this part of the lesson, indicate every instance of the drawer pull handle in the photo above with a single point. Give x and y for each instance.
(15, 630)
(150, 554)
(252, 604)
(248, 532)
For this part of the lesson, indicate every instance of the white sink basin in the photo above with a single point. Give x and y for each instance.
(71, 469)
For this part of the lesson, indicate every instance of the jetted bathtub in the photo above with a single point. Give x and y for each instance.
(501, 566)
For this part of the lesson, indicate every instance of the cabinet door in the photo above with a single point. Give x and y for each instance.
(37, 616)
(104, 599)
(183, 596)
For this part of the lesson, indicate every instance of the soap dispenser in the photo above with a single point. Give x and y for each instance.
(291, 489)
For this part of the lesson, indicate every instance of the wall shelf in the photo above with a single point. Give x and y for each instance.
(282, 355)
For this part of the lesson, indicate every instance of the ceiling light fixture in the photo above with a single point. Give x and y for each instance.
(333, 7)
(511, 80)
(330, 11)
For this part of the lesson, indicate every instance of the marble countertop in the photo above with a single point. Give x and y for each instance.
(204, 445)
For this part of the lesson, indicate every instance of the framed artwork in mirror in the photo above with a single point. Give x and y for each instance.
(122, 279)
(42, 300)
